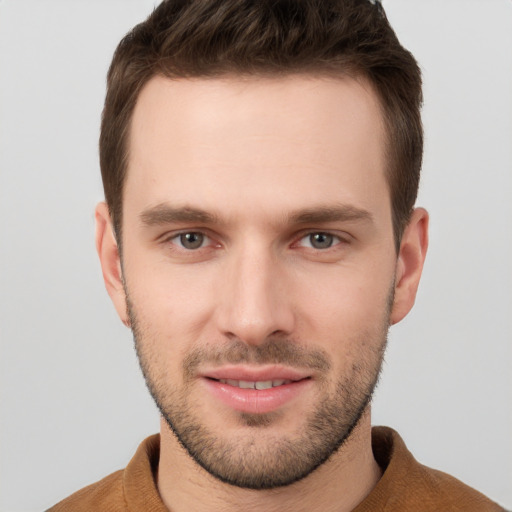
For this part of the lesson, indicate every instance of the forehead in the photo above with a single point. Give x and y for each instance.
(278, 142)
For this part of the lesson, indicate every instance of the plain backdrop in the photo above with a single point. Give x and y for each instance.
(73, 404)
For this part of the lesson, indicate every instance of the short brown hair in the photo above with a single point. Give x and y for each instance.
(205, 38)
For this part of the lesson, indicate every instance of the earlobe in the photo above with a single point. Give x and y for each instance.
(108, 252)
(409, 266)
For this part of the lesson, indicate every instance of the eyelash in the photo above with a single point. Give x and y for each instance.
(177, 236)
(335, 239)
(175, 239)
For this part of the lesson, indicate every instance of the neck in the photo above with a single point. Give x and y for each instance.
(339, 484)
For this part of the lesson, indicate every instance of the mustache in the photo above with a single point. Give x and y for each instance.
(272, 351)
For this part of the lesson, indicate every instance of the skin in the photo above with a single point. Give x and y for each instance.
(267, 182)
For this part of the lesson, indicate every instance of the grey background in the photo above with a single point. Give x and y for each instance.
(73, 405)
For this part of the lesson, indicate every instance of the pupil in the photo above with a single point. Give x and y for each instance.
(192, 240)
(321, 240)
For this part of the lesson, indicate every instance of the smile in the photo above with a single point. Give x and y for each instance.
(260, 385)
(256, 395)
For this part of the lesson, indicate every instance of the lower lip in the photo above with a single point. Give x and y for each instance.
(256, 401)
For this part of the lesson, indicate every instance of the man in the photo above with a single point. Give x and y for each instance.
(261, 162)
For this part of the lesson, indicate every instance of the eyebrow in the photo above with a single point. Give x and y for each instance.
(163, 213)
(323, 214)
(166, 214)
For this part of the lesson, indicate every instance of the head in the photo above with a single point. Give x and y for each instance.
(260, 162)
(196, 39)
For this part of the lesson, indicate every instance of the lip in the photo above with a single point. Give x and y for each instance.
(255, 373)
(255, 401)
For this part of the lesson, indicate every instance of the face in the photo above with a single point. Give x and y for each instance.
(258, 266)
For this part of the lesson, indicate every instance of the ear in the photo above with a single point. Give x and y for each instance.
(413, 249)
(108, 251)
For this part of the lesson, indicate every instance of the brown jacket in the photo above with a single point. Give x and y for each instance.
(405, 485)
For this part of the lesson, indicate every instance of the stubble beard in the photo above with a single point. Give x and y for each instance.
(256, 459)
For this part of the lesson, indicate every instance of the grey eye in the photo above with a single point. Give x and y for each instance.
(191, 240)
(321, 240)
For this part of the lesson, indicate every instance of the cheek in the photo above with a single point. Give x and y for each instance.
(173, 303)
(345, 310)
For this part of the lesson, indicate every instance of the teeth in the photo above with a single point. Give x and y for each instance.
(261, 384)
(267, 384)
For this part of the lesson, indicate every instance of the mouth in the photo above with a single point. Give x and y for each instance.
(261, 384)
(256, 390)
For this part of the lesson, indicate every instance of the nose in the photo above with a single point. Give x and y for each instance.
(254, 302)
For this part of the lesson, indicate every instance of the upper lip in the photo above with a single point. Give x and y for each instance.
(255, 373)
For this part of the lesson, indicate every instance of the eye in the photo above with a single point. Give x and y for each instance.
(191, 241)
(319, 240)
